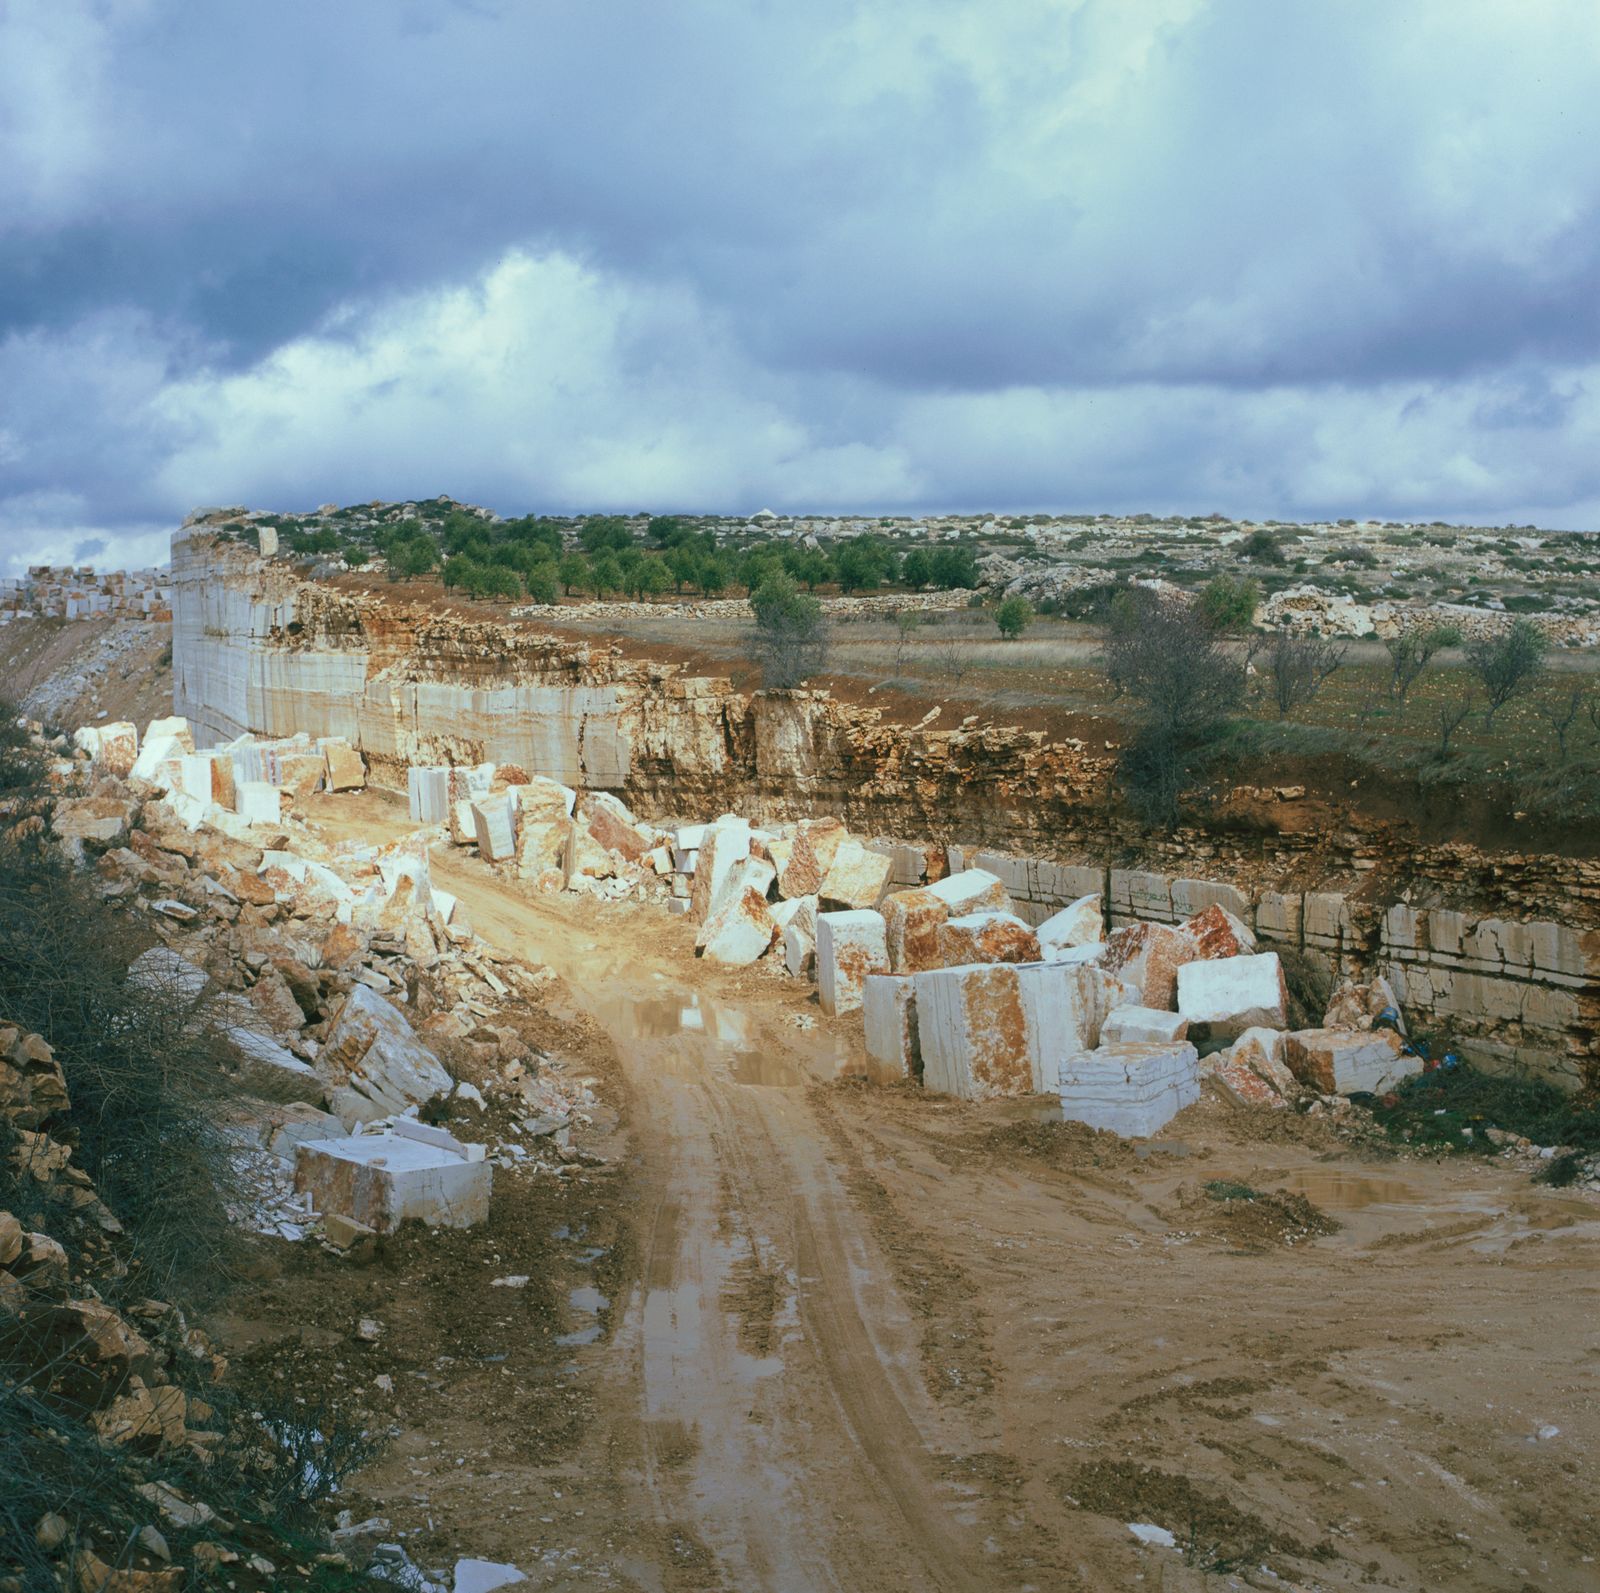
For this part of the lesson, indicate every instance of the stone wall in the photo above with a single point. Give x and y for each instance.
(1522, 995)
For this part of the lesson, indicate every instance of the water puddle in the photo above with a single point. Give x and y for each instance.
(585, 1301)
(1338, 1189)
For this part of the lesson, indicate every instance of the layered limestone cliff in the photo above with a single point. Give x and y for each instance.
(256, 649)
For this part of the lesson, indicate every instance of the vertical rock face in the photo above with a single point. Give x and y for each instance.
(257, 649)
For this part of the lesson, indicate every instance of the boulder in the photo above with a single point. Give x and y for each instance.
(856, 879)
(811, 853)
(1080, 923)
(723, 844)
(740, 930)
(542, 845)
(98, 820)
(1226, 996)
(1134, 1088)
(257, 802)
(986, 937)
(1348, 1061)
(1127, 1025)
(268, 1071)
(32, 1086)
(748, 874)
(913, 918)
(889, 1012)
(800, 948)
(586, 858)
(850, 945)
(346, 771)
(1262, 1051)
(428, 795)
(372, 1064)
(494, 828)
(1149, 956)
(614, 827)
(1217, 933)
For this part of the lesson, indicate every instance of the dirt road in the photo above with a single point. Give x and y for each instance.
(873, 1341)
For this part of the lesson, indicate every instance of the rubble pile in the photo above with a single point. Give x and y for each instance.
(339, 980)
(957, 991)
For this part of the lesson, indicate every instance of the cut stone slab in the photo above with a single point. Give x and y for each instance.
(1130, 1024)
(1231, 994)
(740, 930)
(812, 850)
(1348, 1061)
(1002, 1029)
(913, 918)
(256, 802)
(494, 828)
(889, 1011)
(383, 1180)
(1218, 933)
(428, 794)
(800, 948)
(850, 945)
(373, 1065)
(1134, 1089)
(986, 937)
(346, 769)
(1079, 923)
(857, 877)
(723, 845)
(1149, 956)
(800, 910)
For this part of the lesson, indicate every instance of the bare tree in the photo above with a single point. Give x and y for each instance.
(1412, 650)
(1561, 714)
(1507, 664)
(1453, 713)
(1161, 652)
(1301, 666)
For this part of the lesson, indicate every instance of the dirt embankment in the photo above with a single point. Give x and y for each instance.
(862, 1338)
(75, 672)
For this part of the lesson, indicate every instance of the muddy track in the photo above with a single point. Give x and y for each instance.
(818, 1464)
(868, 1339)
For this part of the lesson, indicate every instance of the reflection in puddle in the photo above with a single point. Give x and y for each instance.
(590, 1302)
(728, 1032)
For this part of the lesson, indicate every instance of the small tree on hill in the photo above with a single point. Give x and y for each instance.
(1012, 617)
(1411, 651)
(790, 638)
(1301, 665)
(1507, 664)
(1160, 652)
(573, 573)
(1228, 602)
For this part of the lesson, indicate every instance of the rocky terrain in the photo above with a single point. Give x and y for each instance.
(600, 1211)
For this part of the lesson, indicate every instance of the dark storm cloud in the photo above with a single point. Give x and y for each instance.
(869, 215)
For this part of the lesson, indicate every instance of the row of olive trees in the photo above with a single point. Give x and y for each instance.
(1171, 655)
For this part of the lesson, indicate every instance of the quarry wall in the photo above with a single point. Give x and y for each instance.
(1502, 951)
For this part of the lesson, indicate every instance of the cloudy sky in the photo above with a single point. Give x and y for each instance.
(1269, 257)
